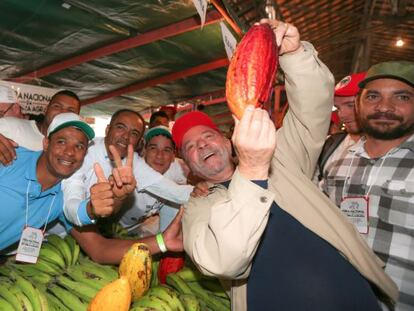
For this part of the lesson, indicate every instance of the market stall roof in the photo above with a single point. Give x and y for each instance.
(148, 53)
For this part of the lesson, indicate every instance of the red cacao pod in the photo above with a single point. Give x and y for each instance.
(252, 70)
(169, 265)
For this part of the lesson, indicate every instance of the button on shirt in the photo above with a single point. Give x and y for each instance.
(391, 207)
(76, 188)
(14, 181)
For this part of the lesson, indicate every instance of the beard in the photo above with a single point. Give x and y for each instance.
(388, 133)
(208, 171)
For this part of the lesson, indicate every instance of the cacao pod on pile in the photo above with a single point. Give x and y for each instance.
(136, 265)
(252, 70)
(115, 296)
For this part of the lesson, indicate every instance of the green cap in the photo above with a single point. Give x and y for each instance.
(402, 70)
(70, 119)
(156, 131)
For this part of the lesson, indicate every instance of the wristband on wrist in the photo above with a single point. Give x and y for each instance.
(161, 243)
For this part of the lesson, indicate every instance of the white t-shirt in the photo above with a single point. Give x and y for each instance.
(22, 131)
(150, 204)
(76, 188)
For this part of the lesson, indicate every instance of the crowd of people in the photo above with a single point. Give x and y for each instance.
(301, 221)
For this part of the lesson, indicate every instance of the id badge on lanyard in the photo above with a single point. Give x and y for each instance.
(29, 245)
(356, 209)
(32, 238)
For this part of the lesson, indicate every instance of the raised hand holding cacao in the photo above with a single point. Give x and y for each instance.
(254, 139)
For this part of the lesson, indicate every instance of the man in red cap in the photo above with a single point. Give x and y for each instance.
(346, 92)
(264, 225)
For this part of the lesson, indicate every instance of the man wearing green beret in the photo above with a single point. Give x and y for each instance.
(373, 181)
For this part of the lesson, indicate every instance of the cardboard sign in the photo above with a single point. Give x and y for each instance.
(32, 99)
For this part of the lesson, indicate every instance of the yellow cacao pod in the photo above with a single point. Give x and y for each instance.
(115, 296)
(136, 265)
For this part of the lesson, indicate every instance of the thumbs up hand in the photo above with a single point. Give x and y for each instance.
(102, 201)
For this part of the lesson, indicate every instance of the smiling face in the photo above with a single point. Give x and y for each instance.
(126, 128)
(65, 151)
(59, 104)
(159, 153)
(386, 109)
(207, 153)
(346, 113)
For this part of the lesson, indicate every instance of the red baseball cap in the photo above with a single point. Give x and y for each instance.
(188, 121)
(348, 86)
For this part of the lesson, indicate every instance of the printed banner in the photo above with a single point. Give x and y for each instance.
(229, 40)
(33, 99)
(201, 7)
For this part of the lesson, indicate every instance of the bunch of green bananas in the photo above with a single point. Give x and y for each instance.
(187, 290)
(60, 280)
(18, 294)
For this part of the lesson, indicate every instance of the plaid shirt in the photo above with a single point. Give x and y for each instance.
(391, 206)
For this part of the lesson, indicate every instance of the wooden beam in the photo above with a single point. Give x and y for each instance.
(139, 40)
(218, 63)
(228, 19)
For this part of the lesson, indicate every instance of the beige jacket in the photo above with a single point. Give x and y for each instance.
(222, 231)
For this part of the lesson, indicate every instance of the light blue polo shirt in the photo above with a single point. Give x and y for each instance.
(14, 188)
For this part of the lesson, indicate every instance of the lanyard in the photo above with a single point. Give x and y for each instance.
(27, 207)
(348, 177)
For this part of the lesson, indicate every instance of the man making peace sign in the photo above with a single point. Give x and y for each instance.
(89, 195)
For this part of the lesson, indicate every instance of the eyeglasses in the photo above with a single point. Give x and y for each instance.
(3, 113)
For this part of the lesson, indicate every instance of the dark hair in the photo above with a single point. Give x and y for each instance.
(66, 93)
(158, 114)
(117, 113)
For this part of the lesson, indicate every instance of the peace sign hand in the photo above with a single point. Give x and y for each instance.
(122, 180)
(102, 201)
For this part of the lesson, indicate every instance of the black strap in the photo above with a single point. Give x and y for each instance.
(331, 143)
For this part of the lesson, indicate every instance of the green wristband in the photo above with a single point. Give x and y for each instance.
(161, 243)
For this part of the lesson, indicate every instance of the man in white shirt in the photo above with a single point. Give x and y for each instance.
(29, 134)
(126, 128)
(159, 153)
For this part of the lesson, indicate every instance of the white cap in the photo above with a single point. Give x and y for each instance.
(67, 119)
(7, 95)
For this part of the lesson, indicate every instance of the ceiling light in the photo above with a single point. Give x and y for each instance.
(400, 42)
